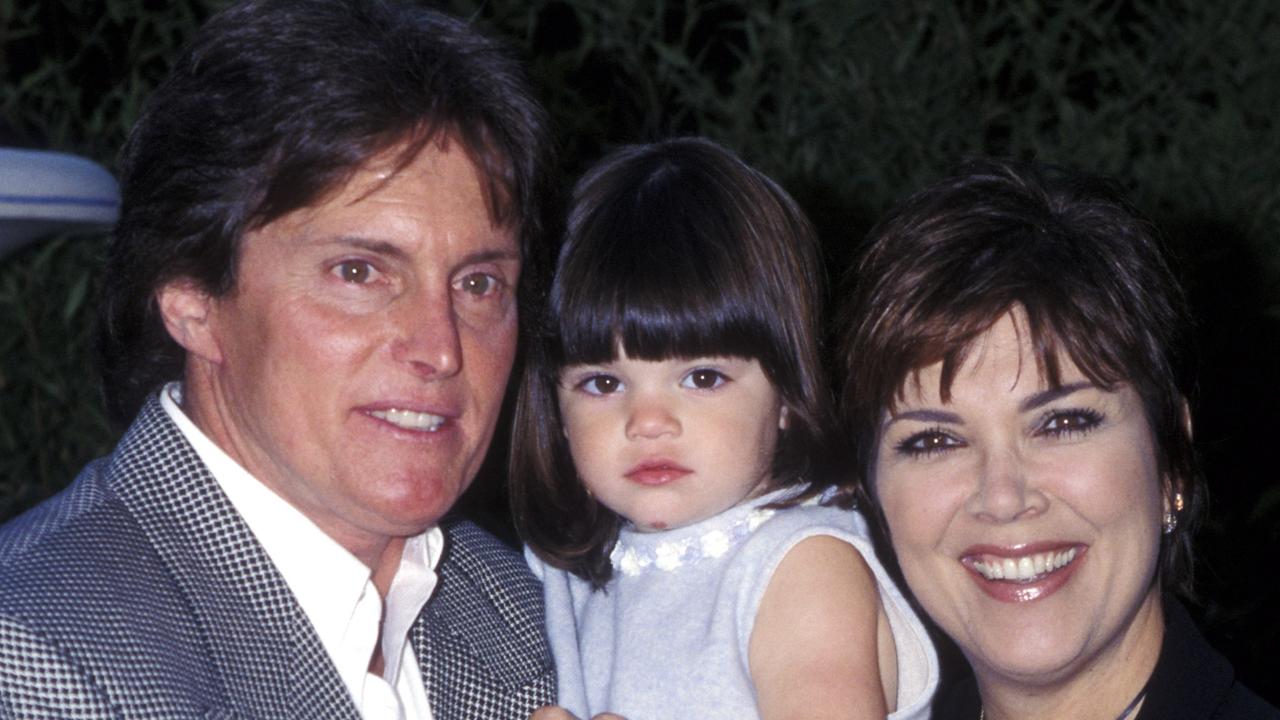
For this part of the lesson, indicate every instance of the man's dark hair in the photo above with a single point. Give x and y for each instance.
(273, 107)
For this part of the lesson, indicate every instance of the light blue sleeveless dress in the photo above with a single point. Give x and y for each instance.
(667, 637)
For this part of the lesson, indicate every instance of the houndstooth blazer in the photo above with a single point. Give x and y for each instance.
(138, 592)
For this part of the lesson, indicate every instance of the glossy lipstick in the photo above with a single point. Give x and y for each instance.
(1023, 573)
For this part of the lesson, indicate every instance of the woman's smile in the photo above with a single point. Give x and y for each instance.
(1024, 574)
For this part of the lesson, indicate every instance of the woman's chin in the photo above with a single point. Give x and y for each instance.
(1030, 665)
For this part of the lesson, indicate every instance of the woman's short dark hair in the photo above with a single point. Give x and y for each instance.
(272, 108)
(1084, 265)
(673, 250)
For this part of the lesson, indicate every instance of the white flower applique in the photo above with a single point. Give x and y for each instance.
(629, 562)
(715, 544)
(671, 555)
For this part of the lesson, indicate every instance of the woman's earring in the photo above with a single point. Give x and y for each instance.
(1171, 517)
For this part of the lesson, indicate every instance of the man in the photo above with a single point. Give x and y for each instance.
(310, 313)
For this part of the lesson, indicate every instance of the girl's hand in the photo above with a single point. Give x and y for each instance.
(551, 712)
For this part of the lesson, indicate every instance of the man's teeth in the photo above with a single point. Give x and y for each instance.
(1025, 568)
(409, 419)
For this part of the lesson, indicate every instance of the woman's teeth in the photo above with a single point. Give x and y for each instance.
(409, 419)
(1025, 568)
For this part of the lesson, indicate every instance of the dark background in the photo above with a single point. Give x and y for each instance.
(849, 104)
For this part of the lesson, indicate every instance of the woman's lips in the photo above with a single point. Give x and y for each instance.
(1025, 572)
(656, 472)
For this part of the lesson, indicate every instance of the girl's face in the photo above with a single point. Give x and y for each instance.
(668, 443)
(1026, 518)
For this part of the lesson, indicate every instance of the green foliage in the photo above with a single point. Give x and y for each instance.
(851, 103)
(73, 76)
(52, 416)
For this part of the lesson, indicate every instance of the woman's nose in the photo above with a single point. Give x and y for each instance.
(1006, 489)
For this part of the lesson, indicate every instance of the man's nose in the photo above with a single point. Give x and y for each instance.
(427, 336)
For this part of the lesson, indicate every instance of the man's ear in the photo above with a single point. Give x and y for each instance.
(187, 310)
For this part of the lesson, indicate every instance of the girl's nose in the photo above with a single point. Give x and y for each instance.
(651, 418)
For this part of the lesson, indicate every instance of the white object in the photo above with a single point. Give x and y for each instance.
(45, 192)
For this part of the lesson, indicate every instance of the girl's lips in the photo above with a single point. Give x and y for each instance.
(1025, 572)
(656, 472)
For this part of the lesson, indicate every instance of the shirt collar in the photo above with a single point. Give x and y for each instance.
(330, 584)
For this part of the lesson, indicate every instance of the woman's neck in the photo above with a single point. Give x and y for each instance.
(1100, 687)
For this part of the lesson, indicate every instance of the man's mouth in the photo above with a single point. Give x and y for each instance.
(410, 420)
(1021, 569)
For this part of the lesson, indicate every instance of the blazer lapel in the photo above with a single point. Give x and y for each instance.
(270, 659)
(481, 651)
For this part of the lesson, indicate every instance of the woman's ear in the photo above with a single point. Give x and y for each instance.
(187, 310)
(1186, 419)
(1173, 486)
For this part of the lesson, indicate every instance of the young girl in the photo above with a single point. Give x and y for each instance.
(667, 463)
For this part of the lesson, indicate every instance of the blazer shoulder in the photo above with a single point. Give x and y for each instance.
(58, 517)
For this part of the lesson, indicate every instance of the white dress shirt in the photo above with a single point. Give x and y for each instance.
(332, 586)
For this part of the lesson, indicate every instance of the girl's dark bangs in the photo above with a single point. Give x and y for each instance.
(661, 292)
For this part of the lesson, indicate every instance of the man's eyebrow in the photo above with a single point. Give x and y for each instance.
(490, 254)
(378, 247)
(1044, 397)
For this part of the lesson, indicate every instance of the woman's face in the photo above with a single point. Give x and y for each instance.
(1026, 518)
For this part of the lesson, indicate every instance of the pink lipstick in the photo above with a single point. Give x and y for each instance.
(1023, 573)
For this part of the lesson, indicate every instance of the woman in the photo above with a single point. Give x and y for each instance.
(1018, 409)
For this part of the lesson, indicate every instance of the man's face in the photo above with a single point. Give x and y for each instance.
(360, 361)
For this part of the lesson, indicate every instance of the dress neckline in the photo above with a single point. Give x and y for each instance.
(636, 553)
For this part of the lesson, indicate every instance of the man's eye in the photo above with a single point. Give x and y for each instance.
(358, 272)
(479, 284)
(704, 379)
(600, 385)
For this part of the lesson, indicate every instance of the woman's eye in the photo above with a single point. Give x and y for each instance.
(600, 385)
(1066, 423)
(357, 272)
(928, 442)
(478, 284)
(704, 379)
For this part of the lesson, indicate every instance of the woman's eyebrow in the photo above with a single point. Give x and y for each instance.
(1044, 397)
(928, 415)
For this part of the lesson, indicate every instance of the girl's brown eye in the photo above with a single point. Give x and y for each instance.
(600, 385)
(704, 379)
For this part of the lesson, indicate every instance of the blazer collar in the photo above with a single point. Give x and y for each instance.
(272, 663)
